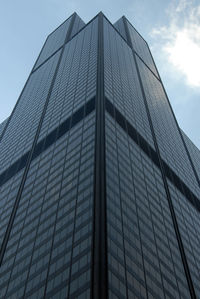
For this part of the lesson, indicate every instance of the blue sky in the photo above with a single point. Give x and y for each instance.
(172, 29)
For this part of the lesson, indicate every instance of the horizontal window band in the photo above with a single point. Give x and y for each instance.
(70, 122)
(151, 153)
(47, 141)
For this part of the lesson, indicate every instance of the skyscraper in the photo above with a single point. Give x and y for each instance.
(99, 186)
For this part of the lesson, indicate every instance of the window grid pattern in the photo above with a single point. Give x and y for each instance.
(189, 226)
(54, 41)
(194, 153)
(75, 82)
(78, 24)
(8, 193)
(122, 86)
(21, 130)
(49, 248)
(168, 137)
(141, 48)
(119, 25)
(143, 254)
(2, 126)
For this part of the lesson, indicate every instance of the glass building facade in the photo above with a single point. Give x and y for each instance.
(99, 187)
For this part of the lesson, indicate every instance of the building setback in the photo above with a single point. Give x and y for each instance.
(99, 187)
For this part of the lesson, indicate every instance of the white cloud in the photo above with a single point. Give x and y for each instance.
(181, 40)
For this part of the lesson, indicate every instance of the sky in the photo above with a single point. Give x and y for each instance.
(171, 28)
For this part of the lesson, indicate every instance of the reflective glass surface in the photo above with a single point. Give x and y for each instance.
(121, 81)
(194, 153)
(49, 171)
(54, 41)
(141, 48)
(23, 124)
(49, 249)
(189, 226)
(2, 126)
(76, 78)
(143, 254)
(78, 24)
(119, 25)
(168, 137)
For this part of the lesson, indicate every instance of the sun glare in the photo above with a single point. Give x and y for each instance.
(184, 54)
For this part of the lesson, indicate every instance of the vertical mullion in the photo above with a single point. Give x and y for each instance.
(99, 265)
(171, 207)
(21, 187)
